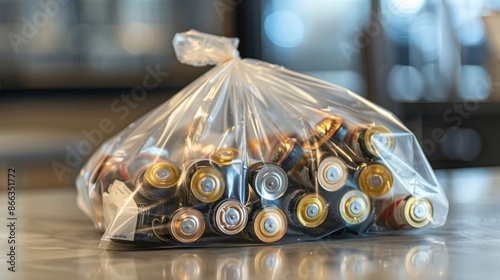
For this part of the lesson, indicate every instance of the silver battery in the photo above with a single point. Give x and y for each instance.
(269, 181)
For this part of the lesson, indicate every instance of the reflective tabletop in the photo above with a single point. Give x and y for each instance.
(55, 240)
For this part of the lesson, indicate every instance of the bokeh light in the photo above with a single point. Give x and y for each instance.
(284, 29)
(405, 83)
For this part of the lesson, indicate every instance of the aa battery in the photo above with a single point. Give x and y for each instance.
(329, 129)
(234, 174)
(187, 225)
(331, 174)
(361, 140)
(267, 225)
(375, 179)
(229, 217)
(159, 180)
(205, 182)
(356, 211)
(268, 180)
(310, 213)
(406, 212)
(312, 210)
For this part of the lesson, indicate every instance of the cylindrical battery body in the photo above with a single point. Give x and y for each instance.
(229, 217)
(361, 140)
(234, 173)
(406, 212)
(187, 225)
(267, 225)
(329, 129)
(268, 180)
(159, 181)
(331, 173)
(374, 179)
(205, 182)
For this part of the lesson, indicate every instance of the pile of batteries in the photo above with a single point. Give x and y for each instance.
(328, 185)
(214, 166)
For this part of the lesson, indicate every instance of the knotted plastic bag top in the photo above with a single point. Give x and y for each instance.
(251, 152)
(200, 49)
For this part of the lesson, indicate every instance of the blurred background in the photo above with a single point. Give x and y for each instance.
(69, 69)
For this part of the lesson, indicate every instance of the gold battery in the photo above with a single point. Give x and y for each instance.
(383, 133)
(355, 207)
(231, 217)
(418, 212)
(407, 212)
(207, 184)
(375, 179)
(312, 210)
(324, 131)
(162, 175)
(187, 225)
(270, 225)
(224, 156)
(332, 173)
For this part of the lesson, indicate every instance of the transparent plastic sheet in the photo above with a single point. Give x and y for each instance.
(253, 153)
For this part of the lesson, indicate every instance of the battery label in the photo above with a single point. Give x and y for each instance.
(120, 212)
(399, 215)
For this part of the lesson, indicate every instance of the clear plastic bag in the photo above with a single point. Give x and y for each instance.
(250, 153)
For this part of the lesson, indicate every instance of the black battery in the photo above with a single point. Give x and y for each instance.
(158, 181)
(361, 140)
(234, 172)
(266, 224)
(308, 213)
(352, 207)
(268, 180)
(205, 182)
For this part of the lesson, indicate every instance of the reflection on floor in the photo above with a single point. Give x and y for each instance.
(56, 239)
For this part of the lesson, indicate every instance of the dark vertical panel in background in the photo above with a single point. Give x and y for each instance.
(248, 28)
(377, 63)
